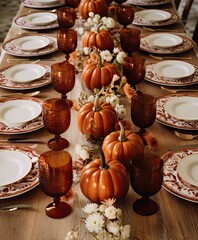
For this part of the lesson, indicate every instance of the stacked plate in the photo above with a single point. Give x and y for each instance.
(41, 18)
(153, 15)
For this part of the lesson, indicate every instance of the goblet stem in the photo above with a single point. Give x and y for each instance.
(58, 209)
(145, 206)
(58, 143)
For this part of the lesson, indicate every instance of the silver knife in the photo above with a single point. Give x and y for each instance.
(30, 140)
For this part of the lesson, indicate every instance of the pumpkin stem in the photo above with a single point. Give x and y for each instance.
(101, 155)
(99, 58)
(122, 137)
(96, 107)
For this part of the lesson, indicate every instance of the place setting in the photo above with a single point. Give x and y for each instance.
(148, 2)
(179, 111)
(154, 18)
(25, 76)
(37, 21)
(18, 170)
(165, 43)
(172, 73)
(43, 3)
(20, 115)
(30, 45)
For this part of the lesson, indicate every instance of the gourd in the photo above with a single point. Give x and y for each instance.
(97, 74)
(100, 181)
(96, 6)
(96, 119)
(123, 145)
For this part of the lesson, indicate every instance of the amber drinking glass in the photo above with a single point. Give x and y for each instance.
(119, 1)
(55, 175)
(72, 3)
(63, 78)
(146, 179)
(67, 41)
(56, 117)
(130, 40)
(125, 14)
(143, 111)
(134, 70)
(66, 17)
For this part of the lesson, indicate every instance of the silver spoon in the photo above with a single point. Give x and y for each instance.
(185, 136)
(31, 94)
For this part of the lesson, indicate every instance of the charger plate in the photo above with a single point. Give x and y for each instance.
(30, 181)
(172, 181)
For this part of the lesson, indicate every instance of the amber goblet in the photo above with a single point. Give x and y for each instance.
(119, 1)
(130, 40)
(146, 177)
(143, 111)
(134, 70)
(67, 41)
(72, 3)
(63, 78)
(56, 118)
(55, 175)
(125, 14)
(66, 17)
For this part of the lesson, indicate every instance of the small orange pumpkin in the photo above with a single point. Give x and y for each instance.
(101, 39)
(96, 6)
(96, 119)
(98, 74)
(123, 145)
(100, 181)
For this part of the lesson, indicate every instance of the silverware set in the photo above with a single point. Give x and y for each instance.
(14, 207)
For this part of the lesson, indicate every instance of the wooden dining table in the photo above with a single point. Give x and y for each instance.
(177, 217)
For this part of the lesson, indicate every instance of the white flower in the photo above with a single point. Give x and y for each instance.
(103, 27)
(125, 232)
(86, 50)
(110, 212)
(102, 208)
(113, 227)
(91, 14)
(120, 57)
(94, 222)
(90, 208)
(106, 55)
(83, 154)
(116, 50)
(114, 100)
(121, 111)
(110, 22)
(115, 77)
(91, 98)
(72, 235)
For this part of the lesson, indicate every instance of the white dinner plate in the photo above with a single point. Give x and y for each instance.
(46, 1)
(187, 169)
(14, 166)
(31, 43)
(41, 18)
(164, 40)
(15, 113)
(153, 15)
(24, 73)
(183, 108)
(173, 69)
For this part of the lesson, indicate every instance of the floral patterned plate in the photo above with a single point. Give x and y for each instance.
(148, 3)
(172, 181)
(37, 4)
(22, 22)
(184, 46)
(30, 126)
(43, 81)
(164, 118)
(11, 49)
(30, 181)
(151, 76)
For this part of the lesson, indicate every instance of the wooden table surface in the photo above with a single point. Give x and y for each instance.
(177, 219)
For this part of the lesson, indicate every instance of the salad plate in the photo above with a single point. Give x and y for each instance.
(174, 69)
(31, 43)
(29, 181)
(148, 2)
(183, 108)
(43, 3)
(163, 117)
(24, 73)
(16, 113)
(153, 15)
(41, 18)
(175, 163)
(14, 166)
(13, 125)
(187, 169)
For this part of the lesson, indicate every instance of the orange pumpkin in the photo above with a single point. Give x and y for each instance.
(96, 119)
(98, 74)
(101, 39)
(96, 6)
(123, 145)
(100, 181)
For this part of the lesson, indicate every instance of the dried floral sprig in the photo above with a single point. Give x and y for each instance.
(130, 92)
(149, 139)
(103, 222)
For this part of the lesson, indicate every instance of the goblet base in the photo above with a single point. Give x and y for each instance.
(58, 210)
(145, 207)
(58, 145)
